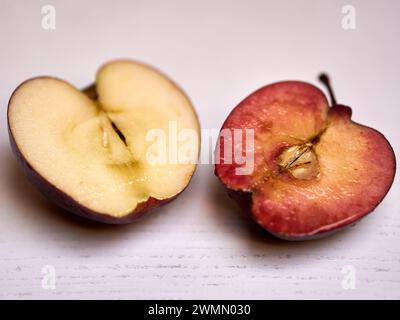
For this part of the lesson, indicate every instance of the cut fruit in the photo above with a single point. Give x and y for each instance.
(315, 170)
(90, 152)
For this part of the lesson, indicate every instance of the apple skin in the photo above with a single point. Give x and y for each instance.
(244, 199)
(63, 200)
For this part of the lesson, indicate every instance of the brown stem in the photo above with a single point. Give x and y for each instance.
(324, 78)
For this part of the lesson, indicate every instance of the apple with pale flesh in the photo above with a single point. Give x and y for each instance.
(315, 170)
(88, 151)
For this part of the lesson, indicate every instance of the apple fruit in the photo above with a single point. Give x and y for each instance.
(314, 170)
(89, 151)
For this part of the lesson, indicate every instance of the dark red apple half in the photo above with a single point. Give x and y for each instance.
(315, 170)
(89, 151)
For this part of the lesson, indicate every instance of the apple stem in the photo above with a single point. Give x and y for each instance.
(324, 78)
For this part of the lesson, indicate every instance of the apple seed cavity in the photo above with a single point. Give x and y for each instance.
(300, 161)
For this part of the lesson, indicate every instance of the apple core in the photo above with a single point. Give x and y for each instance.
(300, 161)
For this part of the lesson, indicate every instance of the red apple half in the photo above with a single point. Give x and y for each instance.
(88, 151)
(314, 169)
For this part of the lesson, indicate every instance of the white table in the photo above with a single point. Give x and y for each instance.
(201, 245)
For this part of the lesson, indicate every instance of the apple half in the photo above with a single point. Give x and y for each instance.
(89, 151)
(314, 169)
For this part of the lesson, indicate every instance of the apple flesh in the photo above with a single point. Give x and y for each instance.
(315, 170)
(88, 151)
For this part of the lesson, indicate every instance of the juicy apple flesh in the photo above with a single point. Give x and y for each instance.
(94, 152)
(315, 170)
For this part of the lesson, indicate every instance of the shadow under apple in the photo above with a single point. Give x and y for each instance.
(257, 240)
(43, 213)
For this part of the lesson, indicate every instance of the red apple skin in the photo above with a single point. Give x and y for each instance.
(244, 201)
(244, 198)
(63, 200)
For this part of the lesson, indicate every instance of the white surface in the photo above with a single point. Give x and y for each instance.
(200, 246)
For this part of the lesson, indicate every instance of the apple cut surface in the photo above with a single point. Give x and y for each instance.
(315, 170)
(95, 152)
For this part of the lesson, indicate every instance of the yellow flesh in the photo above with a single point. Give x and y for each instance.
(69, 140)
